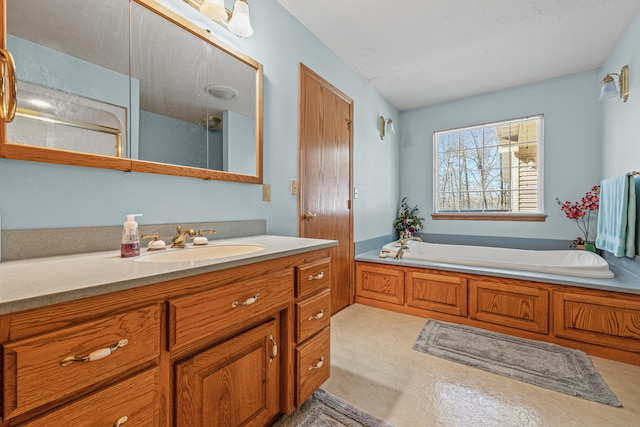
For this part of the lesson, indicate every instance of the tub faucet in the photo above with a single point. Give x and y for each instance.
(180, 238)
(404, 247)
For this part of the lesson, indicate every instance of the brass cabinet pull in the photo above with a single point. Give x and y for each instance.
(274, 349)
(248, 301)
(317, 365)
(95, 355)
(317, 276)
(320, 315)
(9, 87)
(310, 216)
(121, 421)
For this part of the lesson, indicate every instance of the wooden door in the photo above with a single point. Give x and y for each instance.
(326, 139)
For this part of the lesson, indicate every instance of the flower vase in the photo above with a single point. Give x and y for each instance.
(405, 234)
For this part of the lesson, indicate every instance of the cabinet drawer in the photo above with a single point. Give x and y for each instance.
(133, 398)
(312, 314)
(34, 374)
(437, 292)
(202, 316)
(603, 320)
(508, 304)
(312, 365)
(312, 277)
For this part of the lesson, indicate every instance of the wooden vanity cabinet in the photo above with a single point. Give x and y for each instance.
(223, 348)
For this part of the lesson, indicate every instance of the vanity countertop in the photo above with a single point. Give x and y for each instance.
(38, 282)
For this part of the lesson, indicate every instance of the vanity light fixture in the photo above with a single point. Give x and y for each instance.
(609, 89)
(236, 21)
(386, 126)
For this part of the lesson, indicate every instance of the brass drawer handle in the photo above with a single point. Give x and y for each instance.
(248, 301)
(121, 421)
(317, 365)
(310, 216)
(274, 349)
(317, 276)
(320, 315)
(9, 86)
(95, 355)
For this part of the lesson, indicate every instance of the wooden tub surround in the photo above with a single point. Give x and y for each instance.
(601, 323)
(236, 346)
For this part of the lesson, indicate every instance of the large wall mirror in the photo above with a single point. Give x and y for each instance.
(131, 85)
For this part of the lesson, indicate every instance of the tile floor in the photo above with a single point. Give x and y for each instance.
(374, 367)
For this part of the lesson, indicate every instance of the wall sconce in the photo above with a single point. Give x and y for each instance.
(386, 126)
(609, 89)
(236, 21)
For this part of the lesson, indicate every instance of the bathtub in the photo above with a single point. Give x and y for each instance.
(568, 262)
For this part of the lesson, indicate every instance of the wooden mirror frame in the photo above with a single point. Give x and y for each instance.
(26, 152)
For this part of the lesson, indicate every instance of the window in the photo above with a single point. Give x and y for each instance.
(489, 169)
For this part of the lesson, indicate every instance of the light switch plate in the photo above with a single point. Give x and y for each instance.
(293, 188)
(266, 193)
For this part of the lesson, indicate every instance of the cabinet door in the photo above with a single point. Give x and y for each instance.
(437, 292)
(509, 303)
(232, 384)
(598, 319)
(380, 283)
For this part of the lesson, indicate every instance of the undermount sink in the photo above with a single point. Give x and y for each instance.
(200, 253)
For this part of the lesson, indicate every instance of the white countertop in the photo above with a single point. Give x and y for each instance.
(39, 282)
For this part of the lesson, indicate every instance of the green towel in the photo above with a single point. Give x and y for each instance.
(617, 216)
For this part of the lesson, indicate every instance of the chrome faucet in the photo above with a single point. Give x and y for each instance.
(404, 247)
(180, 238)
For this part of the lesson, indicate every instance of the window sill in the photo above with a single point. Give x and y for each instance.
(488, 217)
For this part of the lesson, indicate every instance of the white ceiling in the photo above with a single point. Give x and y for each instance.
(423, 52)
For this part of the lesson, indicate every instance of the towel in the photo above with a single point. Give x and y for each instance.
(617, 216)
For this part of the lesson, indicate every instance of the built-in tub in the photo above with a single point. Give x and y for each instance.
(568, 262)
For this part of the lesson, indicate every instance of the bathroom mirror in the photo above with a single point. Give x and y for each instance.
(131, 85)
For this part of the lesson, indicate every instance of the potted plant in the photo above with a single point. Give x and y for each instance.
(580, 212)
(407, 222)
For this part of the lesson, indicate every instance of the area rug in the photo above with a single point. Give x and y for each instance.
(534, 362)
(323, 409)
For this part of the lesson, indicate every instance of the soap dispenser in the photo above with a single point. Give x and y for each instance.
(130, 237)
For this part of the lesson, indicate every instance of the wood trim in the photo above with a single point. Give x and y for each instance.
(488, 217)
(191, 172)
(34, 153)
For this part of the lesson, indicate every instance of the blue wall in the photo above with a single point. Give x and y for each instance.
(586, 140)
(621, 121)
(36, 195)
(572, 141)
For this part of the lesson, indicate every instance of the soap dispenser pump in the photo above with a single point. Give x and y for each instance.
(130, 237)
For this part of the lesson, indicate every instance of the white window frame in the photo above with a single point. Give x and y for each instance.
(479, 214)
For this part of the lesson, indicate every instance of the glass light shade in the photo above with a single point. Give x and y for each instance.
(215, 10)
(608, 89)
(390, 128)
(240, 24)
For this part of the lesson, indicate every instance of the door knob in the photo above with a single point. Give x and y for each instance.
(310, 216)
